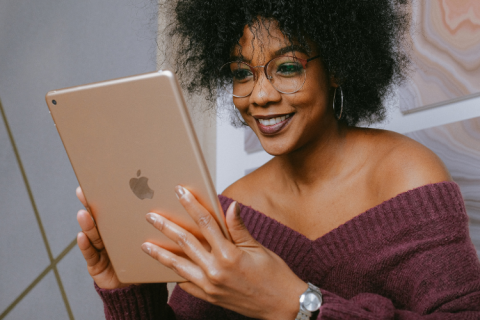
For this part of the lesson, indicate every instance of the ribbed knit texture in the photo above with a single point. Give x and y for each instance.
(147, 301)
(404, 259)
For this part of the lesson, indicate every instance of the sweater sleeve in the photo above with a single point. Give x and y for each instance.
(429, 270)
(372, 306)
(137, 302)
(433, 289)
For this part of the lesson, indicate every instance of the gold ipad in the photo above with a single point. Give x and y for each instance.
(130, 142)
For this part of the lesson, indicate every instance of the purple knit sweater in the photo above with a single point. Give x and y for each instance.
(410, 257)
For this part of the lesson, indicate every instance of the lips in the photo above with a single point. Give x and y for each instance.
(279, 124)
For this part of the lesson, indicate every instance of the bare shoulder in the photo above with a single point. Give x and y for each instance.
(237, 190)
(403, 164)
(248, 190)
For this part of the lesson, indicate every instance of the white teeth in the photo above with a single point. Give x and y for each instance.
(272, 121)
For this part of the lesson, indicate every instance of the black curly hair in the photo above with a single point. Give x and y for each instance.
(361, 43)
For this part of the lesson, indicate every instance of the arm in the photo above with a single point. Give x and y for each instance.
(439, 281)
(372, 306)
(427, 269)
(449, 289)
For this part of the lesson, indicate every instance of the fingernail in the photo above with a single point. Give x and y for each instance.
(151, 218)
(179, 191)
(146, 248)
(237, 208)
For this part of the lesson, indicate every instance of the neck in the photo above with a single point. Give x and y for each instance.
(317, 161)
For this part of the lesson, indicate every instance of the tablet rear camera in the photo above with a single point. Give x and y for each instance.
(54, 102)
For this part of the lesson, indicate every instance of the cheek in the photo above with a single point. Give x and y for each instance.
(315, 95)
(241, 104)
(308, 102)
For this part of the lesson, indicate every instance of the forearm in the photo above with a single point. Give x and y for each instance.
(373, 306)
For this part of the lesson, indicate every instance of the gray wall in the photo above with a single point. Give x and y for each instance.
(46, 45)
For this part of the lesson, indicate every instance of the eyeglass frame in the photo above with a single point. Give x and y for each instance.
(252, 68)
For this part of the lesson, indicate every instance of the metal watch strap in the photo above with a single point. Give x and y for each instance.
(304, 314)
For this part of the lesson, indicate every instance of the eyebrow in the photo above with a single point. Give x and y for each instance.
(293, 47)
(277, 53)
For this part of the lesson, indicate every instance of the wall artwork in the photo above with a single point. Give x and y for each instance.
(445, 53)
(458, 145)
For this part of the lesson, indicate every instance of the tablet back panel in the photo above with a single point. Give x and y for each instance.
(118, 134)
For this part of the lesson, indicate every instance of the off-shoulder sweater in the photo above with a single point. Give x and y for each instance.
(410, 257)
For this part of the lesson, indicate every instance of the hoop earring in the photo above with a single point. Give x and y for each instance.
(236, 112)
(341, 104)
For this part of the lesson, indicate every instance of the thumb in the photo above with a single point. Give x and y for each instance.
(239, 233)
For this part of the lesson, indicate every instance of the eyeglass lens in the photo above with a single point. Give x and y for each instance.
(286, 74)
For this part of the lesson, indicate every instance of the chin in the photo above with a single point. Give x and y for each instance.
(276, 149)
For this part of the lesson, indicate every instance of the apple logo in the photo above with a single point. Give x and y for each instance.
(140, 187)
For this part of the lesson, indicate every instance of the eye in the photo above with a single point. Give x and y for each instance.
(242, 75)
(289, 69)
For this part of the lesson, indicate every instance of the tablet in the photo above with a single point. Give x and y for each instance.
(130, 142)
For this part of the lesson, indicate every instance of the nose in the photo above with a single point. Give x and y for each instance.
(263, 91)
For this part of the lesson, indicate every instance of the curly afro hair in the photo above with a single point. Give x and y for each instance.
(361, 43)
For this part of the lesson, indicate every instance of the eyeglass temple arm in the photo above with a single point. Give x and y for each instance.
(308, 60)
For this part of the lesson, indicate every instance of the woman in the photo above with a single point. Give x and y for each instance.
(365, 223)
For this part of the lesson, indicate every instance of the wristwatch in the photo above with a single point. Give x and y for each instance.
(310, 302)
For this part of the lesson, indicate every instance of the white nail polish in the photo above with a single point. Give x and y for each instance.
(179, 191)
(151, 218)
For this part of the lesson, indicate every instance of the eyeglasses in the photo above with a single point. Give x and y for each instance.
(286, 74)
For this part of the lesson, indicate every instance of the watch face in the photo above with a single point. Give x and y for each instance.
(311, 301)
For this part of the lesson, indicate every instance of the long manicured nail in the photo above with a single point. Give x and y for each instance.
(151, 218)
(179, 191)
(146, 248)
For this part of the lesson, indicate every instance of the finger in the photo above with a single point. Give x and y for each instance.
(239, 233)
(181, 266)
(91, 255)
(88, 227)
(185, 240)
(81, 196)
(204, 219)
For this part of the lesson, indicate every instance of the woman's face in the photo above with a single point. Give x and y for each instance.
(308, 113)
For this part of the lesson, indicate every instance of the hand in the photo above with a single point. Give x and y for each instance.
(242, 276)
(93, 250)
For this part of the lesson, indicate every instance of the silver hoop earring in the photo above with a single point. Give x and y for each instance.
(239, 118)
(341, 104)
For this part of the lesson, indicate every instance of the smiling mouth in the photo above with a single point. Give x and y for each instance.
(273, 125)
(273, 121)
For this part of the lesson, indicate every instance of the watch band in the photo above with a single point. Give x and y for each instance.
(303, 315)
(310, 302)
